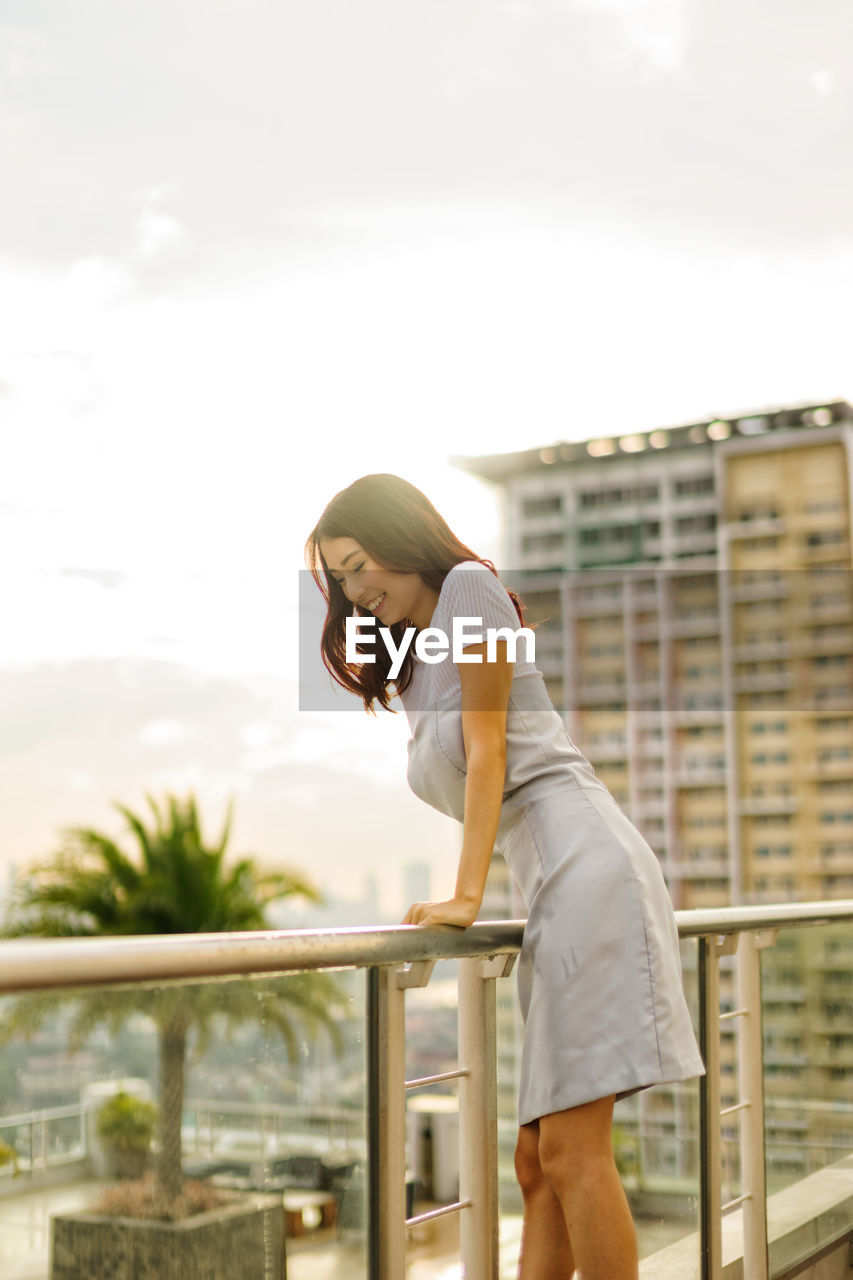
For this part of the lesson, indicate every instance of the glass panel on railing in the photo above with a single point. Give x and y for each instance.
(807, 996)
(432, 1120)
(656, 1139)
(248, 1149)
(432, 1157)
(508, 1028)
(731, 1187)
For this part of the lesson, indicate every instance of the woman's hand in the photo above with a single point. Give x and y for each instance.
(454, 911)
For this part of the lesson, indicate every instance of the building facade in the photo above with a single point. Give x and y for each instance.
(691, 593)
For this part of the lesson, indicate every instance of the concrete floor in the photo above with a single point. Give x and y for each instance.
(25, 1240)
(25, 1224)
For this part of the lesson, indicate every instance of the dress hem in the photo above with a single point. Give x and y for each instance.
(570, 1101)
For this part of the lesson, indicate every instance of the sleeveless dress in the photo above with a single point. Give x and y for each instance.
(599, 975)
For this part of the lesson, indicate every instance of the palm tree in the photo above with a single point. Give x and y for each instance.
(175, 883)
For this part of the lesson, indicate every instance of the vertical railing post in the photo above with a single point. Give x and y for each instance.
(478, 1128)
(386, 1124)
(710, 1187)
(751, 1084)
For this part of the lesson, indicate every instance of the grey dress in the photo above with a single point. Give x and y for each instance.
(599, 975)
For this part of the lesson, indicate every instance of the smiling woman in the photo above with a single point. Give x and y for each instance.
(599, 975)
(381, 548)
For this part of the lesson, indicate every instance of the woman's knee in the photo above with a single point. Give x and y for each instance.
(574, 1146)
(527, 1169)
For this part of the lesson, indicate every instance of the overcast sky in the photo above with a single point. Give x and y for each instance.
(250, 250)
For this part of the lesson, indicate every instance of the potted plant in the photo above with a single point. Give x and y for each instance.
(125, 1124)
(8, 1155)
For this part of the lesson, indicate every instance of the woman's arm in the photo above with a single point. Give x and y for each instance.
(485, 696)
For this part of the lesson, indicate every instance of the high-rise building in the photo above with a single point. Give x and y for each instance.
(692, 588)
(691, 592)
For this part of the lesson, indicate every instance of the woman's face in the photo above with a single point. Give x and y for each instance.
(388, 594)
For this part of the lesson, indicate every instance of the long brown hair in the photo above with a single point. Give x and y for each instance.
(401, 530)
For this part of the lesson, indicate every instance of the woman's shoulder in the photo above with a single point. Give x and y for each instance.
(468, 570)
(459, 573)
(468, 576)
(473, 588)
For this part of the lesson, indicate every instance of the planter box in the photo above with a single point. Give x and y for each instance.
(242, 1241)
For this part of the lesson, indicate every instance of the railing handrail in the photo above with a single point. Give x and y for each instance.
(45, 1114)
(62, 963)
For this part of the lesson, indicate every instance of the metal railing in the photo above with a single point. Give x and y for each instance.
(402, 957)
(50, 1137)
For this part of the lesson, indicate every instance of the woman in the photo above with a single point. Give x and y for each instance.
(599, 972)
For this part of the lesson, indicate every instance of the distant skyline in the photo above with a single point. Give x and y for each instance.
(252, 250)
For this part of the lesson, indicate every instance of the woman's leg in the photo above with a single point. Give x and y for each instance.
(576, 1158)
(545, 1250)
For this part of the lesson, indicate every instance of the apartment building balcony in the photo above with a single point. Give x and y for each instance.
(607, 605)
(593, 694)
(748, 585)
(834, 864)
(605, 752)
(826, 548)
(785, 993)
(700, 866)
(830, 770)
(762, 650)
(686, 627)
(825, 611)
(698, 544)
(643, 596)
(649, 771)
(708, 714)
(784, 1058)
(841, 1056)
(767, 527)
(650, 805)
(837, 641)
(717, 1192)
(778, 802)
(702, 706)
(700, 773)
(763, 681)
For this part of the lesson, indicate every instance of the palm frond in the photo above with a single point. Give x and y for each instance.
(171, 882)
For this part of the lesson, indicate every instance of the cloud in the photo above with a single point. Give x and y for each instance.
(77, 737)
(710, 116)
(109, 579)
(157, 231)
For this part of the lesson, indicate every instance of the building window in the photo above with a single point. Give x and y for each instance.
(827, 538)
(546, 504)
(594, 498)
(539, 542)
(818, 506)
(768, 512)
(696, 524)
(689, 486)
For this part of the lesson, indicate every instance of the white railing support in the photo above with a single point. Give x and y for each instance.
(389, 1153)
(390, 1085)
(751, 1083)
(478, 1131)
(712, 1236)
